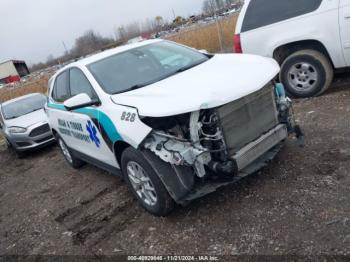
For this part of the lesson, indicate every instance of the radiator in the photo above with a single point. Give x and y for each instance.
(247, 119)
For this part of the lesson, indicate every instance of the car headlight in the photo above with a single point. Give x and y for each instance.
(17, 130)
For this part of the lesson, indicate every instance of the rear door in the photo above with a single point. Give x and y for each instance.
(344, 21)
(57, 115)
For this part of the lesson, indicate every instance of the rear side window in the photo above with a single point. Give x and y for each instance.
(266, 12)
(60, 89)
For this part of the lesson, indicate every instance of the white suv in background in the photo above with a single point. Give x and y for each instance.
(310, 39)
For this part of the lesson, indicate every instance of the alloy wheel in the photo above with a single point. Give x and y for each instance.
(65, 151)
(141, 183)
(302, 76)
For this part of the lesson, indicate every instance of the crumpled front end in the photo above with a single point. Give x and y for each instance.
(225, 143)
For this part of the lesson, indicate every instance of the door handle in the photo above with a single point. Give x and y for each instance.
(347, 16)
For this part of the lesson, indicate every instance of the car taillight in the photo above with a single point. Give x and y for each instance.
(237, 44)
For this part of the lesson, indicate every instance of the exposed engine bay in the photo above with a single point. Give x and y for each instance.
(226, 139)
(194, 139)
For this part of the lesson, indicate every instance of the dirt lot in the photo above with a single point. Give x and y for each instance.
(300, 204)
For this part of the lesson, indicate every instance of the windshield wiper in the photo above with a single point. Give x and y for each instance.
(12, 117)
(35, 110)
(138, 86)
(185, 68)
(134, 87)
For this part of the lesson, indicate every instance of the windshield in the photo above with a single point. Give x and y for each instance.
(23, 106)
(144, 65)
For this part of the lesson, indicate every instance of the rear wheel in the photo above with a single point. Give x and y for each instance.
(70, 158)
(145, 184)
(306, 73)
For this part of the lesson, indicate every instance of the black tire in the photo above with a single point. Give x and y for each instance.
(164, 203)
(8, 144)
(74, 162)
(319, 64)
(19, 154)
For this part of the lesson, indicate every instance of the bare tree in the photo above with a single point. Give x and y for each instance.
(120, 33)
(220, 4)
(50, 58)
(89, 43)
(205, 7)
(133, 30)
(209, 7)
(159, 22)
(149, 26)
(179, 20)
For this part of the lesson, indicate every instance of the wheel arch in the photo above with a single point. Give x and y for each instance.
(119, 147)
(54, 133)
(178, 180)
(282, 52)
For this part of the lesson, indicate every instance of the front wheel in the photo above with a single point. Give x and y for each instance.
(145, 184)
(306, 73)
(70, 158)
(8, 144)
(19, 154)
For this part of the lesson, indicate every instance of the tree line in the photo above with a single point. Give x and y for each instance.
(86, 44)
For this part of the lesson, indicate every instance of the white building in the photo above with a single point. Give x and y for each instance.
(12, 68)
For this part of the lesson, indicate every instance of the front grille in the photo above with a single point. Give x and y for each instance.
(40, 130)
(245, 120)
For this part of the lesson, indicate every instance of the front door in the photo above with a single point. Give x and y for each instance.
(86, 124)
(344, 21)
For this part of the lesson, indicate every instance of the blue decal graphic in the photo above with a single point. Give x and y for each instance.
(109, 127)
(93, 133)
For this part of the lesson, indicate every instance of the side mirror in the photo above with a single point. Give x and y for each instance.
(79, 101)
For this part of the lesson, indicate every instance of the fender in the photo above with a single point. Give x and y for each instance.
(178, 180)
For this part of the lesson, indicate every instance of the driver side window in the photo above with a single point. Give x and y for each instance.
(80, 84)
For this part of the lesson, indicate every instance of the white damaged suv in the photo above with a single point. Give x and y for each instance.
(178, 123)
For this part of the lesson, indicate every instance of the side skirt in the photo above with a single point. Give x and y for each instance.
(88, 159)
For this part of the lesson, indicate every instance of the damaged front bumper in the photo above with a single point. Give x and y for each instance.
(221, 145)
(256, 149)
(184, 186)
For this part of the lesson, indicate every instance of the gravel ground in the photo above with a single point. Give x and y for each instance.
(298, 205)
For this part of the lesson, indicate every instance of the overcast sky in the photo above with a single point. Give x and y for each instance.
(31, 30)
